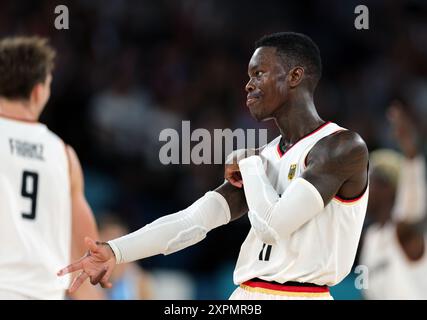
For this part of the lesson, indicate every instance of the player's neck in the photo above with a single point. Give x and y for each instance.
(18, 110)
(298, 119)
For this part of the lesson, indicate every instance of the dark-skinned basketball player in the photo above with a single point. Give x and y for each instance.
(305, 192)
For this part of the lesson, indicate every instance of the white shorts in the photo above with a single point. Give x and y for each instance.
(250, 290)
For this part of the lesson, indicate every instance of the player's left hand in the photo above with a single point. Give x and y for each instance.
(97, 265)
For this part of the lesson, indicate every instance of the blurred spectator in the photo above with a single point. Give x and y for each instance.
(129, 281)
(394, 245)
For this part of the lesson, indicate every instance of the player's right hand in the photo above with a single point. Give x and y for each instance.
(232, 175)
(97, 265)
(231, 170)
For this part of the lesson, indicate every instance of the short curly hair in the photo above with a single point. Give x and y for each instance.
(296, 49)
(24, 62)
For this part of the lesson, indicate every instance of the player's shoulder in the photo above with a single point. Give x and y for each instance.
(342, 146)
(61, 144)
(53, 136)
(343, 141)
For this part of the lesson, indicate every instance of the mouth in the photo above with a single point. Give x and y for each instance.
(251, 100)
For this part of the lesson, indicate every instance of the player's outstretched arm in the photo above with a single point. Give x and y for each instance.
(165, 235)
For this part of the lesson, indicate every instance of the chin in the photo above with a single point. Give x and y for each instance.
(257, 113)
(260, 117)
(261, 113)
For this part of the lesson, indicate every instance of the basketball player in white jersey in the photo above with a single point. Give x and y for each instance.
(394, 245)
(43, 212)
(305, 193)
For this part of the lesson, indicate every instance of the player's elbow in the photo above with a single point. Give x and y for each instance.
(263, 229)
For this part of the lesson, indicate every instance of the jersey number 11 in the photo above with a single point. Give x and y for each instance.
(264, 255)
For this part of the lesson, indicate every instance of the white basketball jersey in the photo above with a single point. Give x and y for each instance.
(35, 211)
(391, 274)
(323, 250)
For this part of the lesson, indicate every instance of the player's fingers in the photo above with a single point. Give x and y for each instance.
(231, 170)
(228, 175)
(238, 178)
(71, 268)
(107, 275)
(96, 279)
(104, 281)
(238, 182)
(78, 281)
(234, 177)
(233, 181)
(230, 178)
(106, 284)
(91, 244)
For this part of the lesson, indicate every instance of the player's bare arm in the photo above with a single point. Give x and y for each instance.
(235, 198)
(83, 225)
(337, 165)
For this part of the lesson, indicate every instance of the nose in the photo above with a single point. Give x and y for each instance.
(250, 86)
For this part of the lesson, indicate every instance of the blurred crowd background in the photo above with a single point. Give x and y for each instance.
(128, 69)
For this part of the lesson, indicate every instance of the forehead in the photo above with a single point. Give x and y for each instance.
(264, 56)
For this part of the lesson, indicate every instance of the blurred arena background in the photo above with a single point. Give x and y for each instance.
(128, 69)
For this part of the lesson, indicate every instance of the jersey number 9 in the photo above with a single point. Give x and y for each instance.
(30, 179)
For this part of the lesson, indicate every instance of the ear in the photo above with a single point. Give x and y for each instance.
(36, 94)
(295, 76)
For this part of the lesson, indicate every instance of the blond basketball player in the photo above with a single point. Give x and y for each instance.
(43, 211)
(394, 244)
(305, 193)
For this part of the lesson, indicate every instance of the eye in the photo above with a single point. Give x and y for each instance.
(258, 74)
